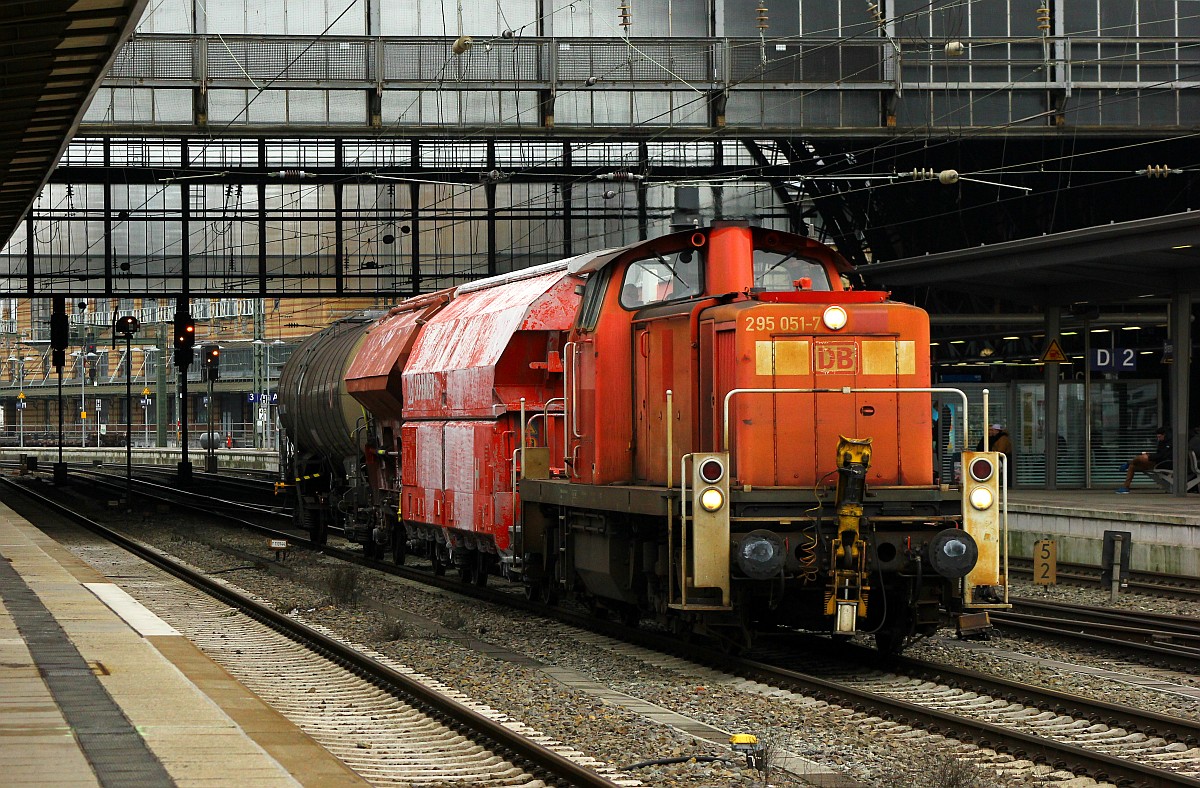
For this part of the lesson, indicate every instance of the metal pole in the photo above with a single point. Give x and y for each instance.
(1050, 437)
(21, 400)
(1087, 405)
(1180, 378)
(128, 421)
(82, 400)
(1114, 588)
(60, 420)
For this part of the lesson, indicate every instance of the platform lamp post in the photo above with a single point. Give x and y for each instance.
(263, 393)
(83, 360)
(19, 370)
(146, 402)
(125, 328)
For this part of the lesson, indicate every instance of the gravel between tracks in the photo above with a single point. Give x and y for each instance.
(834, 737)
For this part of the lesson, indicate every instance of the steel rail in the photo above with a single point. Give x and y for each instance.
(1095, 764)
(1180, 655)
(542, 758)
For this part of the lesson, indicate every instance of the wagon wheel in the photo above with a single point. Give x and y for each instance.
(482, 567)
(312, 522)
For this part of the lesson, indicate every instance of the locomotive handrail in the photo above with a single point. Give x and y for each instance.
(574, 407)
(844, 390)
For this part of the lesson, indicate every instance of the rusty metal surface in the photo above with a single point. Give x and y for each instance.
(452, 370)
(374, 376)
(632, 499)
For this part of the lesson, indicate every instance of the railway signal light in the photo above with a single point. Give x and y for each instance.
(125, 327)
(184, 339)
(185, 332)
(709, 543)
(60, 332)
(981, 515)
(212, 360)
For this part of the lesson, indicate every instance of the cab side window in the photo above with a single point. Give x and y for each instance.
(593, 298)
(660, 278)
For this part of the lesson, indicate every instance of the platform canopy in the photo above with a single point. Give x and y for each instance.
(53, 54)
(1114, 262)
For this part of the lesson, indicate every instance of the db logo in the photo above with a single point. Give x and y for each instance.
(835, 357)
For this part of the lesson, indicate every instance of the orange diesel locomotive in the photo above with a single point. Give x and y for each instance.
(706, 428)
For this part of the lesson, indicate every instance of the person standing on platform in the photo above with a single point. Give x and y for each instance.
(1148, 461)
(998, 440)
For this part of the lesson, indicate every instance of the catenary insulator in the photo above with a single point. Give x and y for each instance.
(461, 44)
(591, 81)
(1159, 171)
(923, 174)
(609, 194)
(620, 177)
(764, 21)
(1043, 18)
(873, 10)
(626, 16)
(955, 48)
(947, 177)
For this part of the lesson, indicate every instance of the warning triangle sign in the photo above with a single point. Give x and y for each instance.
(1053, 353)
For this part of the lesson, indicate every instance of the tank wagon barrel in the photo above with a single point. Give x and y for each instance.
(708, 428)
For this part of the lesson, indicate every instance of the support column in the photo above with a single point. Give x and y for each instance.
(1053, 319)
(1181, 374)
(162, 397)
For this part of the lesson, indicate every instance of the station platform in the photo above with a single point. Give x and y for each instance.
(97, 690)
(1164, 530)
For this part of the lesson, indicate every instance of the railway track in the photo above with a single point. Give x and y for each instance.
(449, 737)
(1106, 741)
(1153, 583)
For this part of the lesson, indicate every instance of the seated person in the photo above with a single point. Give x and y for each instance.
(1148, 461)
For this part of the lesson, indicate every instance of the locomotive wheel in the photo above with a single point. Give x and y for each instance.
(541, 591)
(482, 565)
(889, 641)
(629, 616)
(466, 572)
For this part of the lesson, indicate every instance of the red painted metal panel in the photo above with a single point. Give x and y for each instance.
(374, 376)
(455, 366)
(426, 471)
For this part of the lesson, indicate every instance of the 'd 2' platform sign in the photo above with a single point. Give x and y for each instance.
(1117, 359)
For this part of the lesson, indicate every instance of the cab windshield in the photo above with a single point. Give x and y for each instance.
(780, 271)
(660, 278)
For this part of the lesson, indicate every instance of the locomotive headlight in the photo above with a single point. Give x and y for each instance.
(981, 498)
(712, 499)
(834, 318)
(760, 554)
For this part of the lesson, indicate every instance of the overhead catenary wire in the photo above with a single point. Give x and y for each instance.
(664, 132)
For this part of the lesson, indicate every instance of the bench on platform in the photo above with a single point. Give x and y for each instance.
(1165, 477)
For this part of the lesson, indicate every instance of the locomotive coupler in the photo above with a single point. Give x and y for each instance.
(846, 598)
